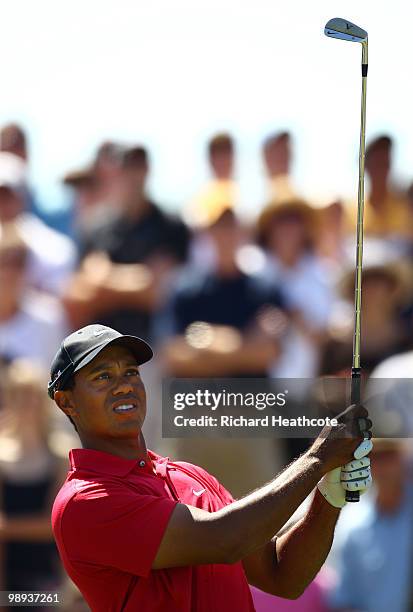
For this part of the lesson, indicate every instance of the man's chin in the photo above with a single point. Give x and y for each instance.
(129, 428)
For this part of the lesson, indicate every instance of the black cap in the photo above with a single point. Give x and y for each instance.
(78, 349)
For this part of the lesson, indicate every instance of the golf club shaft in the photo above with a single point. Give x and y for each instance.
(354, 496)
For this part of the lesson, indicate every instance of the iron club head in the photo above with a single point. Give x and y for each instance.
(345, 30)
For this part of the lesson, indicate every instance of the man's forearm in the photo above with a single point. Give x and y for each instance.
(303, 549)
(195, 536)
(253, 357)
(26, 528)
(254, 519)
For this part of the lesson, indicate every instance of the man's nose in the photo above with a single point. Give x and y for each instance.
(123, 385)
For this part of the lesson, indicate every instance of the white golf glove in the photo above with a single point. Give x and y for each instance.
(354, 476)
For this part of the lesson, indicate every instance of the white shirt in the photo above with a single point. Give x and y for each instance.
(52, 256)
(35, 332)
(390, 395)
(308, 288)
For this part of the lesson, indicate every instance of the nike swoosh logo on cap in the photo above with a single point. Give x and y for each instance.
(99, 332)
(198, 493)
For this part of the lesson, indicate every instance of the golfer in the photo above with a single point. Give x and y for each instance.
(138, 532)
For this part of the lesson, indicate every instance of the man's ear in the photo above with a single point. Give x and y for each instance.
(64, 399)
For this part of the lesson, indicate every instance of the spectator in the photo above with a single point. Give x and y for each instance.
(95, 188)
(51, 255)
(221, 189)
(332, 243)
(374, 552)
(224, 322)
(225, 306)
(277, 159)
(287, 231)
(126, 260)
(13, 140)
(384, 333)
(387, 211)
(30, 474)
(31, 324)
(390, 385)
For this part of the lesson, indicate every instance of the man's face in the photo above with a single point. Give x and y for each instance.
(87, 195)
(277, 157)
(287, 233)
(12, 273)
(388, 466)
(222, 164)
(108, 399)
(378, 162)
(11, 205)
(226, 234)
(133, 179)
(378, 288)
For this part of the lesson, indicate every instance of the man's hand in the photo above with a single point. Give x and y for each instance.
(339, 445)
(354, 476)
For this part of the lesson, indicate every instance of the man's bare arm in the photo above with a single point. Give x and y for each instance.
(194, 536)
(280, 567)
(33, 528)
(228, 352)
(99, 286)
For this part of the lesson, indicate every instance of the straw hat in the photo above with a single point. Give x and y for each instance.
(397, 272)
(278, 211)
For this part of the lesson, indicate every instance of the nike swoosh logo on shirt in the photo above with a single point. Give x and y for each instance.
(198, 493)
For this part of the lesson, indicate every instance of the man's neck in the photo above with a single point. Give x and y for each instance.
(378, 192)
(8, 310)
(289, 259)
(227, 268)
(280, 172)
(137, 208)
(129, 448)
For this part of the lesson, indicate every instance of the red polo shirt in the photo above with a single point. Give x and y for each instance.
(108, 521)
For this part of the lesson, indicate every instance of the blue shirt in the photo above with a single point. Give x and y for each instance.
(374, 560)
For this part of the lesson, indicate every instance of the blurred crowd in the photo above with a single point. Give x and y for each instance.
(217, 296)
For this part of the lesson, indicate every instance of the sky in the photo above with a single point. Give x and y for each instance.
(169, 73)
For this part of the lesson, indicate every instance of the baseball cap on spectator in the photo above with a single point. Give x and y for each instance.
(80, 177)
(136, 156)
(82, 346)
(12, 172)
(107, 152)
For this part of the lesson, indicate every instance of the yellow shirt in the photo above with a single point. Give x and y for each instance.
(208, 204)
(281, 189)
(394, 219)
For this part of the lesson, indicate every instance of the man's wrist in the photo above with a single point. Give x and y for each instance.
(315, 462)
(323, 504)
(315, 456)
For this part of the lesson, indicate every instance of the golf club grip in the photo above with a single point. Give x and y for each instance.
(354, 496)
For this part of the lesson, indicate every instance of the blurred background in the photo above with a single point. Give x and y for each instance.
(188, 173)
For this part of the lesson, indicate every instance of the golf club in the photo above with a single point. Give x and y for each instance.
(345, 30)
